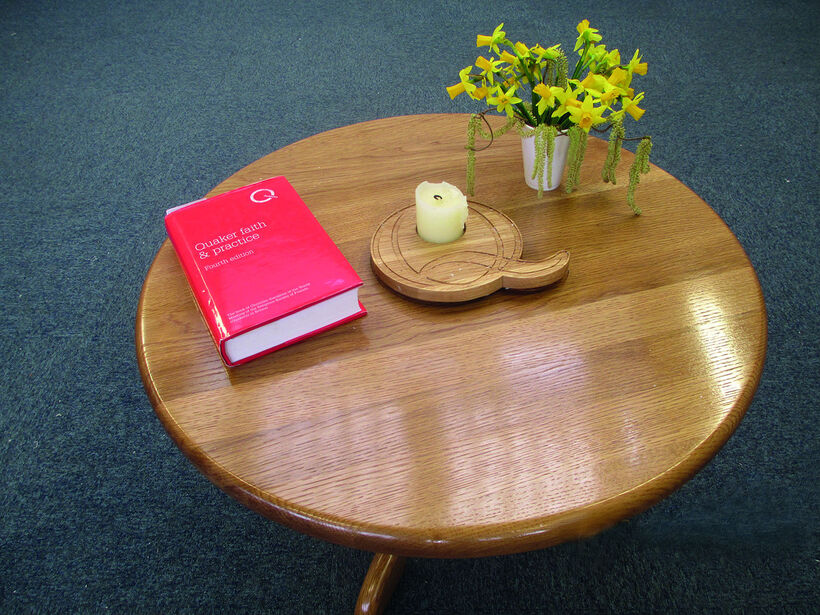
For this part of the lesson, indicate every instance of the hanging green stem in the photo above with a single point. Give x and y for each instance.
(613, 156)
(540, 155)
(472, 126)
(550, 70)
(551, 132)
(544, 136)
(575, 156)
(562, 70)
(639, 167)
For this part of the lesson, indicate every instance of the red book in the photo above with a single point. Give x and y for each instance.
(262, 269)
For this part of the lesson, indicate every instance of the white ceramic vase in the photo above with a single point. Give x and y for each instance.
(559, 160)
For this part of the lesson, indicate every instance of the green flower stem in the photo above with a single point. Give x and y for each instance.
(526, 115)
(539, 118)
(533, 118)
(578, 65)
(523, 64)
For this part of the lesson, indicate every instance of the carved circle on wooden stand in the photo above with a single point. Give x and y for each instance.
(483, 260)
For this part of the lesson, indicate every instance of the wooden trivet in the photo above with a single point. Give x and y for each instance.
(483, 260)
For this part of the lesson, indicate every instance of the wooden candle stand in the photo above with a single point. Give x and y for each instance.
(483, 260)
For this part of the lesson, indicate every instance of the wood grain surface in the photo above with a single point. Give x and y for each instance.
(500, 425)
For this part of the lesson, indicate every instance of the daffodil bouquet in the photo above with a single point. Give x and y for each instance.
(597, 94)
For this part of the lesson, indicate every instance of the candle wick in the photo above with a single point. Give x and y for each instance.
(438, 197)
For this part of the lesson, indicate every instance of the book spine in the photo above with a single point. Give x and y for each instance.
(202, 294)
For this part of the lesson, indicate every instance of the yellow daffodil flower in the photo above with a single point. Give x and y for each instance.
(587, 115)
(610, 96)
(464, 86)
(601, 60)
(504, 101)
(602, 88)
(506, 56)
(636, 66)
(522, 49)
(455, 90)
(630, 105)
(550, 53)
(613, 58)
(619, 77)
(598, 54)
(555, 90)
(583, 26)
(484, 64)
(567, 98)
(482, 40)
(594, 83)
(543, 91)
(488, 68)
(513, 80)
(586, 34)
(635, 111)
(547, 97)
(498, 36)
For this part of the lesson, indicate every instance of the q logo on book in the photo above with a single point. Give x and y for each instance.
(263, 195)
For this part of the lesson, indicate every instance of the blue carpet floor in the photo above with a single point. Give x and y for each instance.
(112, 111)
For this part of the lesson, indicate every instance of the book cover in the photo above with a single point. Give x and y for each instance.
(262, 269)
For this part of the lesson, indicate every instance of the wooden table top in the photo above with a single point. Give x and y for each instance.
(508, 423)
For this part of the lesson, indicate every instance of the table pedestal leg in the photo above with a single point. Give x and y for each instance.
(379, 583)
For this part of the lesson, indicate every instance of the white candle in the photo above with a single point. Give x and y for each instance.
(441, 211)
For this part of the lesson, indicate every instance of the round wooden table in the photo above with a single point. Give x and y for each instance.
(505, 424)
